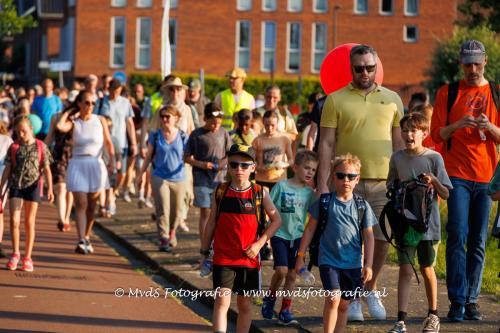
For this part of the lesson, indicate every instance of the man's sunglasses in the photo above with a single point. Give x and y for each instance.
(243, 165)
(361, 69)
(350, 176)
(89, 103)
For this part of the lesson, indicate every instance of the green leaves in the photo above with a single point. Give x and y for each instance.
(10, 23)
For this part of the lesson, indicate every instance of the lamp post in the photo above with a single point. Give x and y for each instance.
(335, 10)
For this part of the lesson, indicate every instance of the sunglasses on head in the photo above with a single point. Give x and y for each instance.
(350, 176)
(89, 103)
(166, 116)
(243, 165)
(361, 69)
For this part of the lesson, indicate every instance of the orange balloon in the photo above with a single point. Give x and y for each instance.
(335, 71)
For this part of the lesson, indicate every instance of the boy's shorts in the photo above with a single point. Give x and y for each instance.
(285, 252)
(426, 252)
(30, 193)
(238, 279)
(203, 196)
(348, 281)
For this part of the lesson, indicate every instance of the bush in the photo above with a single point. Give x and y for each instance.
(445, 66)
(293, 91)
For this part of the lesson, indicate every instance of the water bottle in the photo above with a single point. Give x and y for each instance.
(206, 268)
(307, 276)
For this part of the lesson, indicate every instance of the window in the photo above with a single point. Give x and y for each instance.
(117, 59)
(143, 43)
(172, 37)
(269, 5)
(320, 6)
(243, 44)
(411, 7)
(244, 4)
(319, 45)
(144, 3)
(294, 6)
(174, 3)
(293, 47)
(410, 33)
(361, 7)
(118, 3)
(268, 57)
(385, 7)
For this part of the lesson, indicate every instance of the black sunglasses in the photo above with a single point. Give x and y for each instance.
(361, 69)
(350, 176)
(243, 165)
(89, 103)
(166, 116)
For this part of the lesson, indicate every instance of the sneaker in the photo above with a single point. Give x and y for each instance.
(112, 210)
(13, 261)
(27, 265)
(81, 247)
(90, 248)
(127, 197)
(355, 312)
(399, 327)
(183, 227)
(164, 245)
(456, 312)
(286, 318)
(149, 203)
(267, 308)
(431, 324)
(375, 306)
(472, 312)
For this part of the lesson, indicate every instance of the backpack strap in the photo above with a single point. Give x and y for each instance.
(13, 152)
(155, 142)
(495, 93)
(452, 96)
(41, 154)
(257, 197)
(324, 205)
(361, 208)
(220, 192)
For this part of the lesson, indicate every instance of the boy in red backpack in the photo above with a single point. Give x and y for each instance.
(237, 232)
(26, 159)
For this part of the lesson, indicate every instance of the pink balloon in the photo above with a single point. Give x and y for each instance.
(335, 71)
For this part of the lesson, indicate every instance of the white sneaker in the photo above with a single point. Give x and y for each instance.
(399, 327)
(127, 197)
(148, 203)
(375, 306)
(112, 209)
(183, 227)
(431, 324)
(355, 312)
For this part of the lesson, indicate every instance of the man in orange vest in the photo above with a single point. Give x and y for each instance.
(235, 98)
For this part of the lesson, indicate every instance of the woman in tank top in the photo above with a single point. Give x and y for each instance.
(87, 174)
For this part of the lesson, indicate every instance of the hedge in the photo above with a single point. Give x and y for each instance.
(293, 91)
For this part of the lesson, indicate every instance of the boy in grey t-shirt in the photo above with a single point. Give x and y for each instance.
(408, 164)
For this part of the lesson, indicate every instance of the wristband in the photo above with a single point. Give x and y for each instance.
(204, 252)
(300, 254)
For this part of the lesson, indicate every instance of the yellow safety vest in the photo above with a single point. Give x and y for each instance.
(156, 101)
(229, 107)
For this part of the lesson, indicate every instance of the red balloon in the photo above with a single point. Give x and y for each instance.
(335, 71)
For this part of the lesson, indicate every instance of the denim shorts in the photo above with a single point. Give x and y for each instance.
(30, 193)
(203, 196)
(345, 280)
(285, 252)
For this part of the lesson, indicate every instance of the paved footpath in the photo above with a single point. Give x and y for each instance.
(71, 292)
(134, 228)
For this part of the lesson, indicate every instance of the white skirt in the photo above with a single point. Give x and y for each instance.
(87, 174)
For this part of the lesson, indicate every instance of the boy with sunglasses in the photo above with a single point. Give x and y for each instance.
(292, 197)
(340, 262)
(233, 226)
(408, 164)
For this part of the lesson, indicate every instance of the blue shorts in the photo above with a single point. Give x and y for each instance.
(284, 252)
(203, 196)
(348, 281)
(30, 193)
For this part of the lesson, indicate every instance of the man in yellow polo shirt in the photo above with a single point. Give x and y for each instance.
(235, 98)
(363, 119)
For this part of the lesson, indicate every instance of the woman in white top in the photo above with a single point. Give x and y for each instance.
(87, 174)
(5, 142)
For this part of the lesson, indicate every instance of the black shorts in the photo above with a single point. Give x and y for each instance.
(348, 281)
(285, 252)
(238, 279)
(30, 193)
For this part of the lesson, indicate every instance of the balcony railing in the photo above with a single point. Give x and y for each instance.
(51, 9)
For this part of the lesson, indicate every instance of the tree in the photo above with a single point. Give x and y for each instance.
(480, 12)
(445, 67)
(10, 23)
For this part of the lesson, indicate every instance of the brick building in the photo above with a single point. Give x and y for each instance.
(289, 37)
